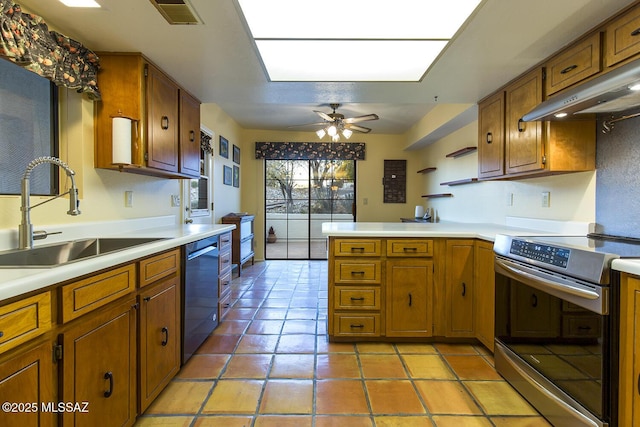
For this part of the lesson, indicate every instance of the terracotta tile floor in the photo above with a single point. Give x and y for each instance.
(269, 364)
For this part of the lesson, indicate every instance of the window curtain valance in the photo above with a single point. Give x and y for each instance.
(310, 150)
(26, 40)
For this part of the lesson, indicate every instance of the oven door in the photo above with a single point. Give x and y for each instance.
(552, 342)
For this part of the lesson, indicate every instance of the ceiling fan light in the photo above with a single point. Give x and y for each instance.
(347, 133)
(335, 138)
(332, 130)
(321, 133)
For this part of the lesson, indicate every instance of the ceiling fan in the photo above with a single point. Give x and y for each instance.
(335, 124)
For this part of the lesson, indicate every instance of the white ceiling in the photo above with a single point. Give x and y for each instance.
(217, 63)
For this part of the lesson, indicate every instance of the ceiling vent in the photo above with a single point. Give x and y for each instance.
(177, 12)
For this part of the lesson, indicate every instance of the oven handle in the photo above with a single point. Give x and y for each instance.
(544, 284)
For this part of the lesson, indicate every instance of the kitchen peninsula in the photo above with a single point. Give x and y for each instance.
(415, 281)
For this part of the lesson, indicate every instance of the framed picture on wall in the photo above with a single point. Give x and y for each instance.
(236, 154)
(227, 178)
(236, 176)
(224, 147)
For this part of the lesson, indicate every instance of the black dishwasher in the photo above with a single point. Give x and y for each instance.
(199, 293)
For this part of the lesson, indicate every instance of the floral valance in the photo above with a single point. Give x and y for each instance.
(310, 150)
(26, 40)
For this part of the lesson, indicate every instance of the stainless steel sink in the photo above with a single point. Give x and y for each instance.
(65, 252)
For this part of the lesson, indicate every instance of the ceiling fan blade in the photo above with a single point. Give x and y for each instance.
(324, 115)
(361, 118)
(357, 128)
(308, 124)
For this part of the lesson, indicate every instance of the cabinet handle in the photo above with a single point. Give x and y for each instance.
(146, 299)
(109, 376)
(520, 125)
(464, 289)
(489, 137)
(357, 299)
(353, 273)
(638, 384)
(409, 249)
(165, 331)
(192, 136)
(635, 32)
(225, 284)
(357, 249)
(164, 123)
(584, 328)
(1, 334)
(410, 300)
(356, 326)
(568, 69)
(534, 300)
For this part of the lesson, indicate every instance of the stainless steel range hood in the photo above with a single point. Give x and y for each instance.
(608, 93)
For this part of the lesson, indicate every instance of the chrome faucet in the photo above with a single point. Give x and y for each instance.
(25, 230)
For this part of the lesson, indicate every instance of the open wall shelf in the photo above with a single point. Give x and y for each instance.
(426, 170)
(461, 182)
(434, 196)
(462, 151)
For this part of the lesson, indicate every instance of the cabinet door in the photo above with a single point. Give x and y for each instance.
(409, 291)
(189, 135)
(491, 136)
(159, 338)
(622, 41)
(485, 289)
(629, 391)
(524, 143)
(460, 288)
(99, 359)
(28, 377)
(162, 111)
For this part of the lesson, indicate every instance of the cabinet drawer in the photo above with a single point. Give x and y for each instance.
(159, 266)
(409, 248)
(347, 271)
(356, 298)
(224, 305)
(622, 37)
(246, 229)
(349, 247)
(224, 244)
(581, 326)
(81, 297)
(224, 263)
(224, 284)
(573, 64)
(25, 319)
(246, 248)
(357, 325)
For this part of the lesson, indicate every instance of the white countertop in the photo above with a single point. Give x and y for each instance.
(631, 266)
(18, 281)
(439, 229)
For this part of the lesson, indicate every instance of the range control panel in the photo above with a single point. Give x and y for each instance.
(543, 253)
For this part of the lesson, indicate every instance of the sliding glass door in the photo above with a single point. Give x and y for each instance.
(299, 196)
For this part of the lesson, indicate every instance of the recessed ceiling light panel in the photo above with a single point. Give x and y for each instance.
(353, 40)
(80, 3)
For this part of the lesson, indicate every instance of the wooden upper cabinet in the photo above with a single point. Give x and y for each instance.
(162, 121)
(165, 118)
(491, 136)
(523, 145)
(573, 64)
(622, 37)
(189, 134)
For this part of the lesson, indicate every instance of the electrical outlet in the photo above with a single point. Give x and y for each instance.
(128, 199)
(175, 200)
(365, 201)
(546, 201)
(509, 199)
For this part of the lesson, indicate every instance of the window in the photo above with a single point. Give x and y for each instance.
(28, 129)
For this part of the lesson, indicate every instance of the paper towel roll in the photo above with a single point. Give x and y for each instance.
(121, 140)
(419, 211)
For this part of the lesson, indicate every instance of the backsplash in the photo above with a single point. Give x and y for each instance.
(618, 178)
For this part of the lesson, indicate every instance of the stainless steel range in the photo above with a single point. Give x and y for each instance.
(557, 320)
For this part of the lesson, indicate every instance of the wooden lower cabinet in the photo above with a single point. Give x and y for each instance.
(485, 293)
(159, 338)
(27, 377)
(99, 366)
(460, 288)
(409, 298)
(629, 390)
